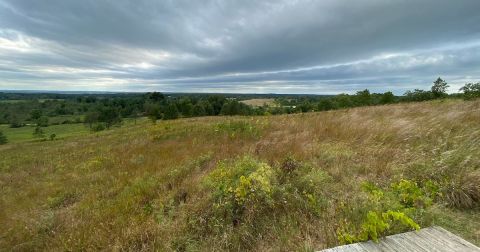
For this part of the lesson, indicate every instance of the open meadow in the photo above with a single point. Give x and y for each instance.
(266, 183)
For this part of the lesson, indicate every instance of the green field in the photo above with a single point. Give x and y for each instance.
(25, 134)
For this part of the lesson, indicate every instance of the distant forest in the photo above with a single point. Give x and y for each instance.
(104, 110)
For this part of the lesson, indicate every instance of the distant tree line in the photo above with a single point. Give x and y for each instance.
(102, 111)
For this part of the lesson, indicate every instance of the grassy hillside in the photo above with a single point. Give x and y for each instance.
(289, 182)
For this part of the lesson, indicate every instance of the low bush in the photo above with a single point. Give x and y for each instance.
(463, 192)
(3, 138)
(246, 197)
(411, 195)
(241, 190)
(376, 225)
(388, 211)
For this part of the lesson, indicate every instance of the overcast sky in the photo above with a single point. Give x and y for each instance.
(291, 46)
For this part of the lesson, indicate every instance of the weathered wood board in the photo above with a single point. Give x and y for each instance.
(426, 239)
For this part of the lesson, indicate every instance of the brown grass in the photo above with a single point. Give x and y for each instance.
(259, 102)
(136, 188)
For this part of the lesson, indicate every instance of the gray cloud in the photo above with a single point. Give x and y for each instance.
(300, 46)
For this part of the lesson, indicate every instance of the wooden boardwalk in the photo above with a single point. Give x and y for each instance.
(426, 239)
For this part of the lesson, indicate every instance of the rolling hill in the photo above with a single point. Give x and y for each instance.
(287, 182)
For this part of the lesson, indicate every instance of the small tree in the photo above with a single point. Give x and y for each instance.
(52, 137)
(35, 114)
(471, 90)
(3, 138)
(153, 111)
(199, 110)
(91, 118)
(363, 98)
(325, 104)
(42, 121)
(14, 122)
(387, 98)
(110, 116)
(171, 112)
(38, 132)
(135, 114)
(439, 88)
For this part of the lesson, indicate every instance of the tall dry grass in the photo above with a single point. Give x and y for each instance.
(139, 187)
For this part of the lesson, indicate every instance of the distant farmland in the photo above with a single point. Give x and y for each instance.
(260, 102)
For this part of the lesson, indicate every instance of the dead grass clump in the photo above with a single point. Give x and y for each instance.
(464, 191)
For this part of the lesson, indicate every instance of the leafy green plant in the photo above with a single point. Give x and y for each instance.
(389, 209)
(412, 195)
(245, 185)
(376, 225)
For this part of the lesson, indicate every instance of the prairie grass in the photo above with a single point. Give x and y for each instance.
(143, 187)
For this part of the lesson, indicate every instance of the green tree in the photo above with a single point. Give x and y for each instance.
(153, 111)
(418, 95)
(471, 90)
(216, 102)
(171, 112)
(91, 118)
(36, 114)
(387, 98)
(199, 110)
(38, 132)
(110, 116)
(363, 98)
(325, 104)
(15, 122)
(156, 96)
(42, 121)
(3, 138)
(343, 101)
(439, 88)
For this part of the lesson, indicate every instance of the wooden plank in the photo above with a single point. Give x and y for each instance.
(434, 239)
(411, 243)
(398, 244)
(438, 241)
(462, 244)
(370, 246)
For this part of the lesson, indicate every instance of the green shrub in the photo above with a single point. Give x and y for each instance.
(471, 91)
(387, 210)
(411, 195)
(245, 186)
(247, 196)
(38, 132)
(97, 127)
(376, 225)
(3, 138)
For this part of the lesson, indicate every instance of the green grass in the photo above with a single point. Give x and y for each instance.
(25, 134)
